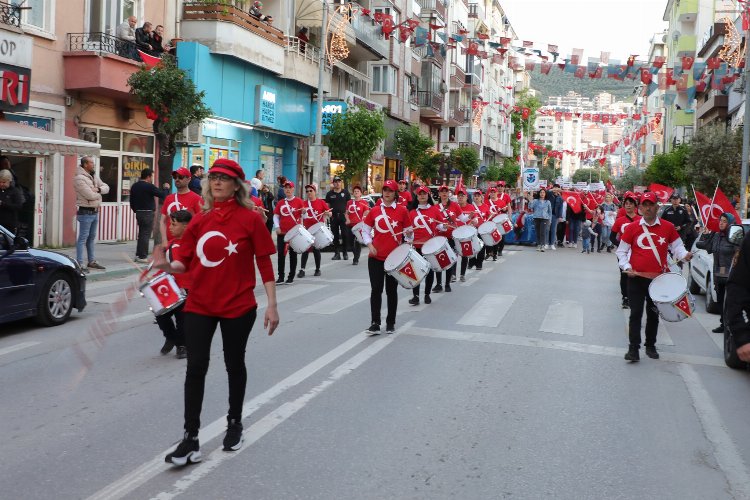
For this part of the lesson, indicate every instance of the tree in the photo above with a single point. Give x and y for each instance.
(416, 151)
(523, 100)
(493, 172)
(353, 137)
(509, 172)
(172, 101)
(668, 168)
(715, 154)
(632, 177)
(466, 161)
(592, 174)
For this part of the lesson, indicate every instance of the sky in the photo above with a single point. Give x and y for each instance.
(621, 27)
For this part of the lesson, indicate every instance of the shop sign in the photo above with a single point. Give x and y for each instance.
(40, 197)
(329, 109)
(31, 121)
(15, 85)
(531, 178)
(265, 106)
(15, 49)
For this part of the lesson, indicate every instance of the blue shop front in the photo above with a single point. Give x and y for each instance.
(259, 118)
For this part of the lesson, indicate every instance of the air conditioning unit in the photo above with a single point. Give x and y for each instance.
(192, 134)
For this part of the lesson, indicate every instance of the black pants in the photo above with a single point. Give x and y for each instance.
(637, 296)
(428, 281)
(173, 330)
(541, 227)
(282, 258)
(340, 233)
(561, 226)
(720, 286)
(199, 332)
(145, 220)
(356, 247)
(316, 256)
(451, 271)
(478, 259)
(624, 285)
(378, 279)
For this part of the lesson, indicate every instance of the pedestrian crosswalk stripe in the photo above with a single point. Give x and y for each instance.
(335, 303)
(488, 311)
(564, 317)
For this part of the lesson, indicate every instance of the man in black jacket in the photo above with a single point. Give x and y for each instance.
(737, 304)
(142, 202)
(143, 38)
(337, 198)
(677, 215)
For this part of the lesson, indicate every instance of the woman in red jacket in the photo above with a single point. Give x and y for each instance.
(218, 248)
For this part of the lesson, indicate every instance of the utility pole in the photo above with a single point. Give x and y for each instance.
(317, 164)
(745, 132)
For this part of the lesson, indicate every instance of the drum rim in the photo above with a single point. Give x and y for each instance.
(461, 229)
(408, 251)
(434, 238)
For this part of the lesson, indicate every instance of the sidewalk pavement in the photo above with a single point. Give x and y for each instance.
(117, 257)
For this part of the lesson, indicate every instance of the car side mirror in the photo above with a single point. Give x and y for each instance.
(736, 234)
(21, 243)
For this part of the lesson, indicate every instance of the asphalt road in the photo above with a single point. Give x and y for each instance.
(512, 386)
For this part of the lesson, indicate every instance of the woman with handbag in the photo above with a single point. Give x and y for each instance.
(723, 251)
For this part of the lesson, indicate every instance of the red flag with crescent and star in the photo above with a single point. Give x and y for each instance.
(467, 250)
(507, 226)
(408, 271)
(443, 259)
(662, 192)
(496, 236)
(684, 305)
(165, 293)
(573, 200)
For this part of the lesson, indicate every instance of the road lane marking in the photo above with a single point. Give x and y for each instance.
(336, 303)
(727, 455)
(662, 335)
(287, 292)
(362, 281)
(488, 311)
(564, 317)
(109, 298)
(126, 484)
(17, 347)
(492, 338)
(277, 417)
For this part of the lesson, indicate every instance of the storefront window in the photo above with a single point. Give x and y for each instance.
(109, 173)
(136, 143)
(109, 139)
(132, 166)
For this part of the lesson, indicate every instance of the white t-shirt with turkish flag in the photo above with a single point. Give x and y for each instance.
(387, 222)
(219, 249)
(637, 252)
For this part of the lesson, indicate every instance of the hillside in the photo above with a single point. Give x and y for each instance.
(559, 83)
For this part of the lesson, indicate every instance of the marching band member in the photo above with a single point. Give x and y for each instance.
(391, 224)
(482, 210)
(630, 214)
(219, 248)
(450, 211)
(642, 254)
(496, 206)
(425, 219)
(467, 216)
(356, 211)
(316, 210)
(404, 195)
(183, 199)
(286, 215)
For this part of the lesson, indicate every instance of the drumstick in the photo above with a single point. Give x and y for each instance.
(643, 275)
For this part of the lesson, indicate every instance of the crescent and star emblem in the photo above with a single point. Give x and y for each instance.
(174, 206)
(380, 229)
(163, 290)
(230, 248)
(286, 210)
(708, 211)
(420, 221)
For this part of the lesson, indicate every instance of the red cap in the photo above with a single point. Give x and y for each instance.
(313, 186)
(492, 190)
(402, 181)
(460, 190)
(648, 197)
(478, 192)
(390, 184)
(357, 186)
(501, 183)
(289, 183)
(444, 188)
(228, 167)
(422, 189)
(630, 196)
(181, 172)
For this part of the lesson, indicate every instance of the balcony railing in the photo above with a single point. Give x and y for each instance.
(302, 49)
(473, 10)
(430, 100)
(436, 55)
(459, 115)
(433, 5)
(10, 14)
(227, 11)
(103, 43)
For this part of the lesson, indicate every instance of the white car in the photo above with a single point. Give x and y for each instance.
(701, 280)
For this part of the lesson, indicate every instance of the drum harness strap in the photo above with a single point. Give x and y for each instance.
(388, 222)
(653, 247)
(421, 219)
(291, 212)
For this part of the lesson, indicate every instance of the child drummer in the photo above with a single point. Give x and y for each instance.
(173, 330)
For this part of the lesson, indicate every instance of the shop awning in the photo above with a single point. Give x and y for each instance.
(23, 139)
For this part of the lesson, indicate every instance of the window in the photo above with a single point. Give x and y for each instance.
(105, 15)
(38, 14)
(384, 79)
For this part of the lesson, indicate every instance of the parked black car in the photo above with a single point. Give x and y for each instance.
(38, 283)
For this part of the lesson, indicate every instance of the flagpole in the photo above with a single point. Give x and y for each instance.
(711, 207)
(745, 132)
(700, 212)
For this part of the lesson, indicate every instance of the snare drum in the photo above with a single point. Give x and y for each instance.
(162, 293)
(468, 241)
(503, 223)
(489, 233)
(358, 230)
(406, 266)
(299, 238)
(322, 235)
(671, 296)
(439, 253)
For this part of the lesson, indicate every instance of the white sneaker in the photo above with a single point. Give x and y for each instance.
(546, 247)
(554, 247)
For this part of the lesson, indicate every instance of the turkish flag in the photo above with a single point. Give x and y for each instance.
(507, 226)
(148, 60)
(496, 236)
(525, 113)
(408, 271)
(662, 192)
(709, 213)
(573, 200)
(684, 305)
(165, 293)
(726, 205)
(591, 201)
(443, 259)
(467, 250)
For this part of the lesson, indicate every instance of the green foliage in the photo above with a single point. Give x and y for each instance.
(632, 177)
(353, 137)
(509, 172)
(715, 154)
(493, 172)
(668, 168)
(466, 161)
(593, 174)
(169, 91)
(548, 172)
(524, 100)
(558, 82)
(417, 152)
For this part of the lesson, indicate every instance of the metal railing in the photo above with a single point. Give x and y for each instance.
(436, 56)
(231, 11)
(435, 5)
(430, 100)
(459, 115)
(10, 14)
(473, 10)
(303, 49)
(101, 42)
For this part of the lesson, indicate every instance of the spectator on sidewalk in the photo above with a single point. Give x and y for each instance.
(89, 190)
(142, 202)
(11, 200)
(737, 306)
(718, 245)
(609, 211)
(542, 210)
(196, 172)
